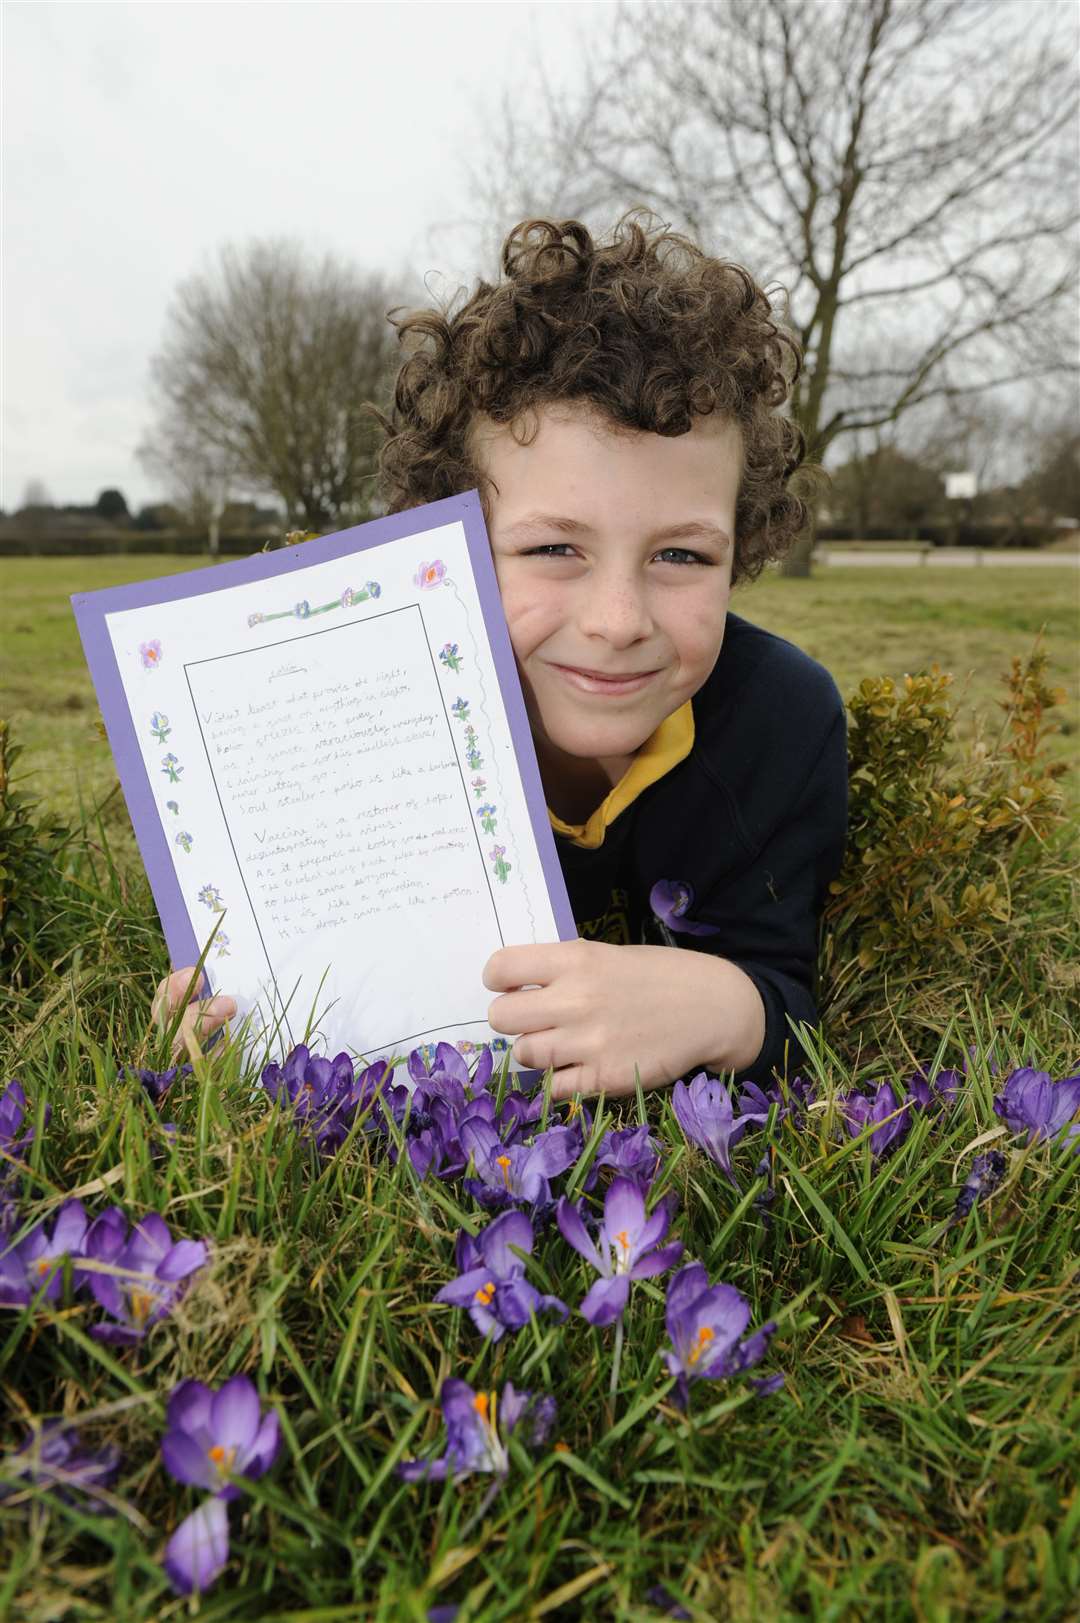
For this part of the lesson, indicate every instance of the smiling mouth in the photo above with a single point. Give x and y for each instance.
(604, 681)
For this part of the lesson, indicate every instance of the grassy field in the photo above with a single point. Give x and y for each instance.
(857, 622)
(920, 1461)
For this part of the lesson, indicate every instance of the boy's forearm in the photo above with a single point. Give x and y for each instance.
(737, 1026)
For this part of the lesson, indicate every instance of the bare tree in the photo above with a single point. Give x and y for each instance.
(262, 379)
(905, 169)
(199, 478)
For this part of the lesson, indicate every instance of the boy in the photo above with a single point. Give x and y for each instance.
(616, 404)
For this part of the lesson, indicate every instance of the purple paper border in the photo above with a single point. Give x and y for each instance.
(92, 607)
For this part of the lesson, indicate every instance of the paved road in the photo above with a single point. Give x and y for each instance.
(948, 558)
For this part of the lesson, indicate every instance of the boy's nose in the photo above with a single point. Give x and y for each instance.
(616, 611)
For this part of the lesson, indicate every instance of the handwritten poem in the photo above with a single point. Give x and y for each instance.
(351, 718)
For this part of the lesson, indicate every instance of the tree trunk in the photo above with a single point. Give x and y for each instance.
(215, 534)
(797, 564)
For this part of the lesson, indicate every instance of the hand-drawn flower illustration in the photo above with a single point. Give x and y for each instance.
(502, 868)
(221, 944)
(348, 598)
(372, 588)
(450, 656)
(479, 786)
(174, 807)
(474, 759)
(486, 815)
(255, 619)
(171, 767)
(150, 654)
(460, 707)
(210, 897)
(159, 726)
(302, 609)
(429, 575)
(184, 841)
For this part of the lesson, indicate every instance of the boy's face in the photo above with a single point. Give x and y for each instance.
(613, 552)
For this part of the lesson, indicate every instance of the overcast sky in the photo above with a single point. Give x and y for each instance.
(139, 138)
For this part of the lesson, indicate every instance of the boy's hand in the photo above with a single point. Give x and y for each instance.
(593, 1011)
(201, 1018)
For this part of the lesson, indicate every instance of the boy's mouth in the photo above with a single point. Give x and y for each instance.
(612, 683)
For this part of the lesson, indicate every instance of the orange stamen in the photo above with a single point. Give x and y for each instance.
(504, 1162)
(44, 1264)
(142, 1305)
(485, 1293)
(623, 1239)
(704, 1336)
(480, 1404)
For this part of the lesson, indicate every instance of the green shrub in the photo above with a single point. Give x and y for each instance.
(957, 878)
(30, 845)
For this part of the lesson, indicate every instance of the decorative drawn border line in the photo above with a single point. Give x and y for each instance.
(304, 611)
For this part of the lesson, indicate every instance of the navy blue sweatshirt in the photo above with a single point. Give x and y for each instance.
(753, 820)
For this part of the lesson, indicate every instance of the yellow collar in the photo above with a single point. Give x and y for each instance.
(669, 744)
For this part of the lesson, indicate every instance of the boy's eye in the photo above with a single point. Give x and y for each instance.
(556, 549)
(680, 555)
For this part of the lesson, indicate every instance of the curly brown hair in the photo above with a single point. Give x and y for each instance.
(645, 327)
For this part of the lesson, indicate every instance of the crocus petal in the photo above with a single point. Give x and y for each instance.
(265, 1448)
(511, 1229)
(234, 1414)
(199, 1549)
(461, 1292)
(657, 1262)
(105, 1289)
(151, 1236)
(182, 1259)
(422, 1470)
(687, 1285)
(187, 1461)
(624, 1211)
(575, 1233)
(70, 1228)
(189, 1407)
(606, 1301)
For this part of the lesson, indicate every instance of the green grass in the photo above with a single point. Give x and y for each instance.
(921, 1463)
(856, 621)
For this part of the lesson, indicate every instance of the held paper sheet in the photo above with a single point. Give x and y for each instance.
(327, 761)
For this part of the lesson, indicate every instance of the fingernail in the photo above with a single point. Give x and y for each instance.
(224, 1007)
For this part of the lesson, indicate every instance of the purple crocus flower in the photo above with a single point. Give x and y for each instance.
(705, 1323)
(477, 1426)
(704, 1112)
(15, 1136)
(216, 1437)
(986, 1173)
(924, 1094)
(52, 1457)
(320, 1091)
(1031, 1103)
(670, 900)
(631, 1151)
(35, 1262)
(492, 1283)
(755, 1102)
(885, 1109)
(149, 1279)
(629, 1247)
(513, 1174)
(156, 1084)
